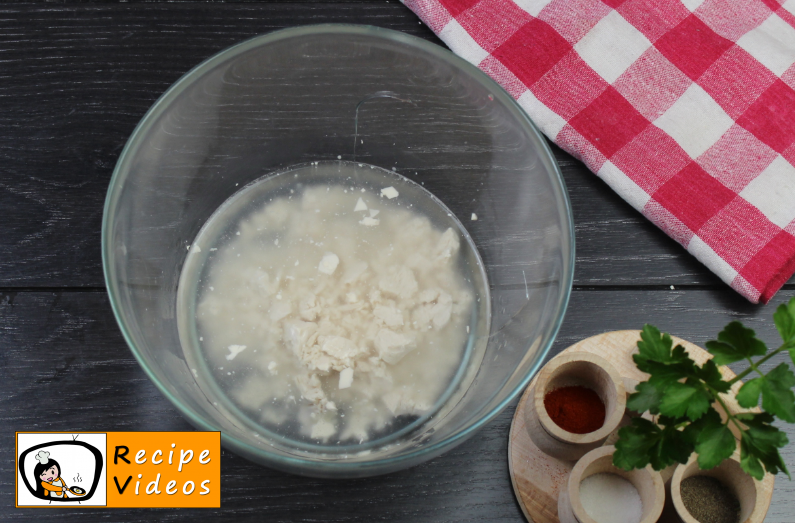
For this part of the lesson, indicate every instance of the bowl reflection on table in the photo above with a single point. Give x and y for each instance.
(354, 93)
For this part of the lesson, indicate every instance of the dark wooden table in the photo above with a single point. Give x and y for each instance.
(75, 78)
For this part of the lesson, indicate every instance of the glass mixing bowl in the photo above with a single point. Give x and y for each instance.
(352, 93)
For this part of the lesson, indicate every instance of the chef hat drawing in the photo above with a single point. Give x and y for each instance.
(43, 457)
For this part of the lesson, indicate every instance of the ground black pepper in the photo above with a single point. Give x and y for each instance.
(709, 501)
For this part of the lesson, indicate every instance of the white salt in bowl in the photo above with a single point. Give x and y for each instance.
(309, 94)
(647, 481)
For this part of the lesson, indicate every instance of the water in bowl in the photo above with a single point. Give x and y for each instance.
(333, 304)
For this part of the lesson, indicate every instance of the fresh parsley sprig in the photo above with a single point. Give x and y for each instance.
(682, 395)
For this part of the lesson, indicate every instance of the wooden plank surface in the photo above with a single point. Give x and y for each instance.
(76, 77)
(65, 347)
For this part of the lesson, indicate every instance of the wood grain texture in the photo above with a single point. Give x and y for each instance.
(77, 77)
(74, 82)
(65, 348)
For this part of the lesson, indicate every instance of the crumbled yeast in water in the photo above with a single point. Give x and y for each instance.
(369, 326)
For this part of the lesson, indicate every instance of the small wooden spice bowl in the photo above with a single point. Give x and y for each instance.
(647, 481)
(753, 502)
(582, 369)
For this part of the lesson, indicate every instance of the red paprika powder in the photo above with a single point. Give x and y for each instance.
(575, 409)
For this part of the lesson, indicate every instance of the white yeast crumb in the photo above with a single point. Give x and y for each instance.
(360, 206)
(474, 217)
(392, 346)
(213, 249)
(234, 350)
(196, 248)
(272, 368)
(329, 263)
(279, 310)
(672, 288)
(346, 378)
(389, 192)
(369, 221)
(323, 430)
(391, 316)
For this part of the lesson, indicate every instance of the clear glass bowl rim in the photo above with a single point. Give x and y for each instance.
(154, 112)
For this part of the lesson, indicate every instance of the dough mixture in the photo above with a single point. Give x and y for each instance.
(335, 309)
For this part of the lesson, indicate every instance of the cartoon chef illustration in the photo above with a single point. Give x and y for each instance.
(48, 477)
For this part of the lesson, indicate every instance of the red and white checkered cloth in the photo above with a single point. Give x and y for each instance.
(685, 108)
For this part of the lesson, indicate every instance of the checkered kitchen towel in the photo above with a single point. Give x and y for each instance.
(685, 108)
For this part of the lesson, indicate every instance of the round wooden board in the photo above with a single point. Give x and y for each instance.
(537, 478)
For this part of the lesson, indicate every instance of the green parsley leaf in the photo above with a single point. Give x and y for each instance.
(755, 418)
(715, 443)
(748, 395)
(689, 398)
(643, 442)
(777, 396)
(735, 342)
(674, 447)
(775, 388)
(710, 374)
(663, 374)
(670, 421)
(653, 345)
(784, 318)
(749, 462)
(682, 393)
(680, 355)
(635, 444)
(693, 429)
(646, 397)
(762, 441)
(664, 364)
